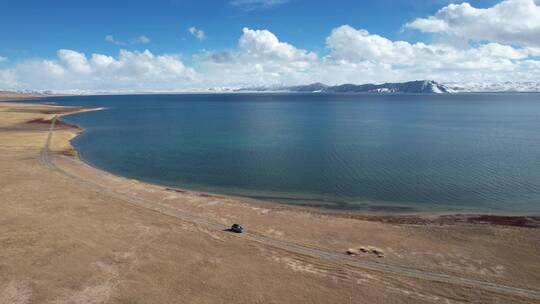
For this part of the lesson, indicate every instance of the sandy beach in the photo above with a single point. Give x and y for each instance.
(70, 233)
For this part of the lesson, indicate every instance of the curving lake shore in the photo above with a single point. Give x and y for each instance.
(472, 153)
(111, 235)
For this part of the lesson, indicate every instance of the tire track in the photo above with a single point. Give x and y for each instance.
(287, 246)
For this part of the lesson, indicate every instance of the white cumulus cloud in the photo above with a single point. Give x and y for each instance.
(402, 60)
(352, 55)
(110, 38)
(508, 22)
(142, 39)
(74, 61)
(260, 58)
(72, 70)
(352, 45)
(357, 56)
(263, 43)
(197, 33)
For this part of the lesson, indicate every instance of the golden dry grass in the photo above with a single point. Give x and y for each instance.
(66, 240)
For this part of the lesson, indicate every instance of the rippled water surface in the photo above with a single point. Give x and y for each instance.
(372, 152)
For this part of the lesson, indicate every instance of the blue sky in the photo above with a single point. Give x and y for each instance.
(148, 45)
(39, 28)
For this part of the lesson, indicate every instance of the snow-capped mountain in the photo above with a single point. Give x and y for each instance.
(411, 87)
(419, 86)
(508, 86)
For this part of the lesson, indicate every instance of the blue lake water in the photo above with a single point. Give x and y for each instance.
(465, 152)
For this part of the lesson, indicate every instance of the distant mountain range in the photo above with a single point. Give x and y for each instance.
(508, 86)
(419, 86)
(412, 87)
(6, 95)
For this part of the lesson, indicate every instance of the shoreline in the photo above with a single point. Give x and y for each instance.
(504, 218)
(72, 231)
(510, 218)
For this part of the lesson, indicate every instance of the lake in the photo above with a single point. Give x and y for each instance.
(402, 153)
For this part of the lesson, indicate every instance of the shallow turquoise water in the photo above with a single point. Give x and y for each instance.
(370, 152)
